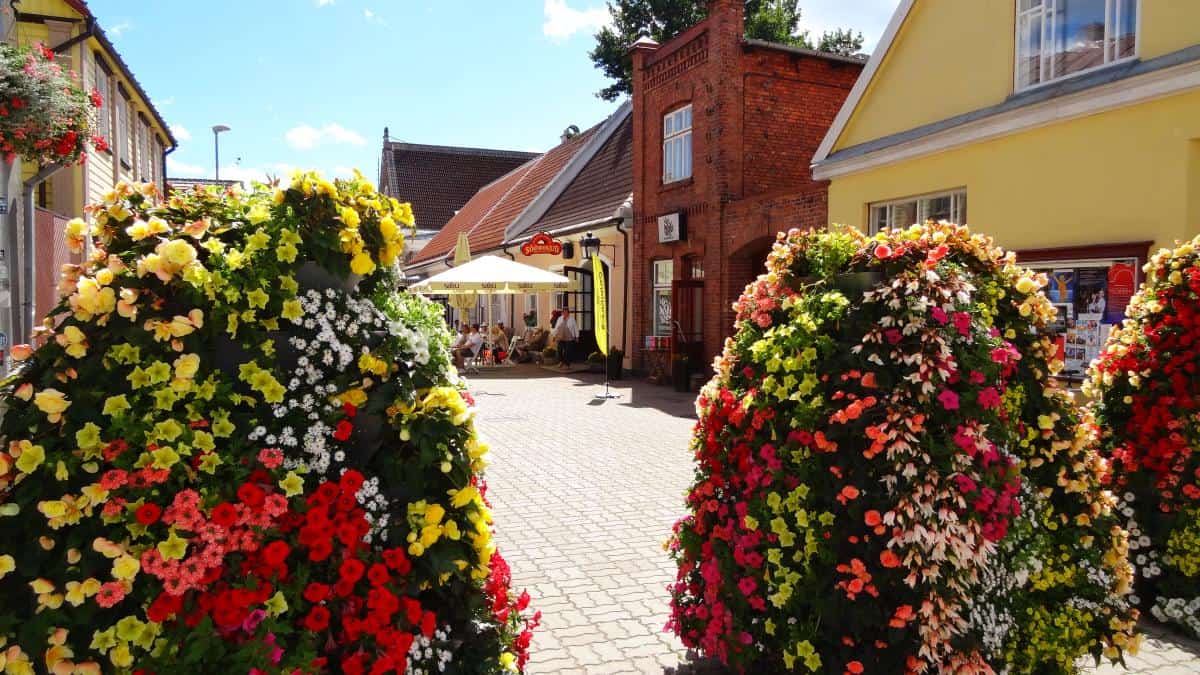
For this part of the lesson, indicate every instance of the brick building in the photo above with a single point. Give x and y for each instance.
(724, 129)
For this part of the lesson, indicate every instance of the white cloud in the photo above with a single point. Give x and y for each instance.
(372, 17)
(340, 171)
(305, 137)
(563, 21)
(180, 133)
(322, 3)
(170, 100)
(178, 169)
(120, 27)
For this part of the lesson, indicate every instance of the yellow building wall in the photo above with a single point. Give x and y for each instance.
(1126, 175)
(949, 57)
(954, 56)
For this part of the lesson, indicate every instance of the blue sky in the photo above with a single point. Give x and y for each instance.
(312, 83)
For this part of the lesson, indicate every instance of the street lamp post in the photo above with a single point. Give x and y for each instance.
(217, 129)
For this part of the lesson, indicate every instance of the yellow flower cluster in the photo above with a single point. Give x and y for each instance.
(370, 231)
(1183, 544)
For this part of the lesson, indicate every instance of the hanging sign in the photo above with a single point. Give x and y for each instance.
(670, 227)
(601, 305)
(3, 205)
(541, 243)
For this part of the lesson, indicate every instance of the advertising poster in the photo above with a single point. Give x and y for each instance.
(1091, 290)
(1062, 286)
(1121, 277)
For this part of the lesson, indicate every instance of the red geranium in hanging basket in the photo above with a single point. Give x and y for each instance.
(45, 114)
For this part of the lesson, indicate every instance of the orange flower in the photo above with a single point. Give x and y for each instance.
(889, 559)
(848, 493)
(872, 518)
(868, 380)
(904, 614)
(854, 667)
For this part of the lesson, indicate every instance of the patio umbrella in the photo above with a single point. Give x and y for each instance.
(491, 275)
(462, 255)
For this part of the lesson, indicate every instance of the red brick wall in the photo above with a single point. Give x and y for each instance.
(758, 115)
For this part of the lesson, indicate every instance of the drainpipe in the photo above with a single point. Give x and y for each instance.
(625, 292)
(24, 316)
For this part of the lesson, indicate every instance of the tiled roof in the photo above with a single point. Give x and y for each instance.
(486, 215)
(438, 180)
(442, 243)
(601, 187)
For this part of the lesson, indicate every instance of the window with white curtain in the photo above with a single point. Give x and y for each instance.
(677, 145)
(950, 205)
(1059, 38)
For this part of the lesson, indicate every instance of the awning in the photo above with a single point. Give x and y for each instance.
(491, 274)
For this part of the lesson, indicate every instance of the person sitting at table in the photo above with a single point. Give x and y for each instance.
(473, 343)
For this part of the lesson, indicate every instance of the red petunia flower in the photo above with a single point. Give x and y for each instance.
(344, 428)
(148, 514)
(317, 619)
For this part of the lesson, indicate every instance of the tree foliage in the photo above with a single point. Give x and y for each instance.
(660, 20)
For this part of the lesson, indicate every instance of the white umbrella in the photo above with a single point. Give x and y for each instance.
(492, 275)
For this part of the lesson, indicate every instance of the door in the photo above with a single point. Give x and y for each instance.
(687, 310)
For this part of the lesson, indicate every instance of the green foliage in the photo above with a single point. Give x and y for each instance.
(661, 20)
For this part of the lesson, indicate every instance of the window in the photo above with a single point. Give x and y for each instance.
(951, 206)
(663, 272)
(125, 142)
(101, 83)
(1058, 38)
(677, 145)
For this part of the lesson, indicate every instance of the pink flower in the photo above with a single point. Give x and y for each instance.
(949, 399)
(962, 321)
(747, 585)
(939, 315)
(893, 335)
(989, 398)
(110, 594)
(976, 377)
(270, 457)
(883, 251)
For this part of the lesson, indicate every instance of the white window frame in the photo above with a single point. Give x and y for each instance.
(102, 83)
(958, 208)
(657, 288)
(1046, 16)
(677, 145)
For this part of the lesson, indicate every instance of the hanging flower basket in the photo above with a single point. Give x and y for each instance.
(45, 115)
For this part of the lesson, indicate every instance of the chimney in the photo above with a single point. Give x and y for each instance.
(385, 134)
(728, 16)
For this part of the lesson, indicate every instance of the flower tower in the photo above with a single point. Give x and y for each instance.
(887, 479)
(238, 450)
(1145, 389)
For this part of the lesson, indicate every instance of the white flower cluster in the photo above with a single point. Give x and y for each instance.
(378, 511)
(1178, 611)
(414, 341)
(427, 656)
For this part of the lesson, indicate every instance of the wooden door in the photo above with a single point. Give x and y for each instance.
(687, 320)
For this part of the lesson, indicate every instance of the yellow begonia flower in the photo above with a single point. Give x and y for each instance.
(362, 264)
(186, 366)
(460, 498)
(349, 216)
(52, 402)
(8, 564)
(277, 604)
(292, 310)
(121, 656)
(126, 568)
(209, 463)
(89, 436)
(32, 456)
(52, 508)
(73, 341)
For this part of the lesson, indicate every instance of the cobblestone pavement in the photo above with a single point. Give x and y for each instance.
(585, 492)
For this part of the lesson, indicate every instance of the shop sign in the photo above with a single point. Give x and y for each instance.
(670, 227)
(541, 244)
(3, 205)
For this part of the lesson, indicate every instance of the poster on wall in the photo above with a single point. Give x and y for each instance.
(1062, 286)
(1091, 290)
(1120, 288)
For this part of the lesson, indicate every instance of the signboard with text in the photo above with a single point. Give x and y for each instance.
(541, 244)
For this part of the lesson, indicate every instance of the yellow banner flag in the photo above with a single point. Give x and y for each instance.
(601, 304)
